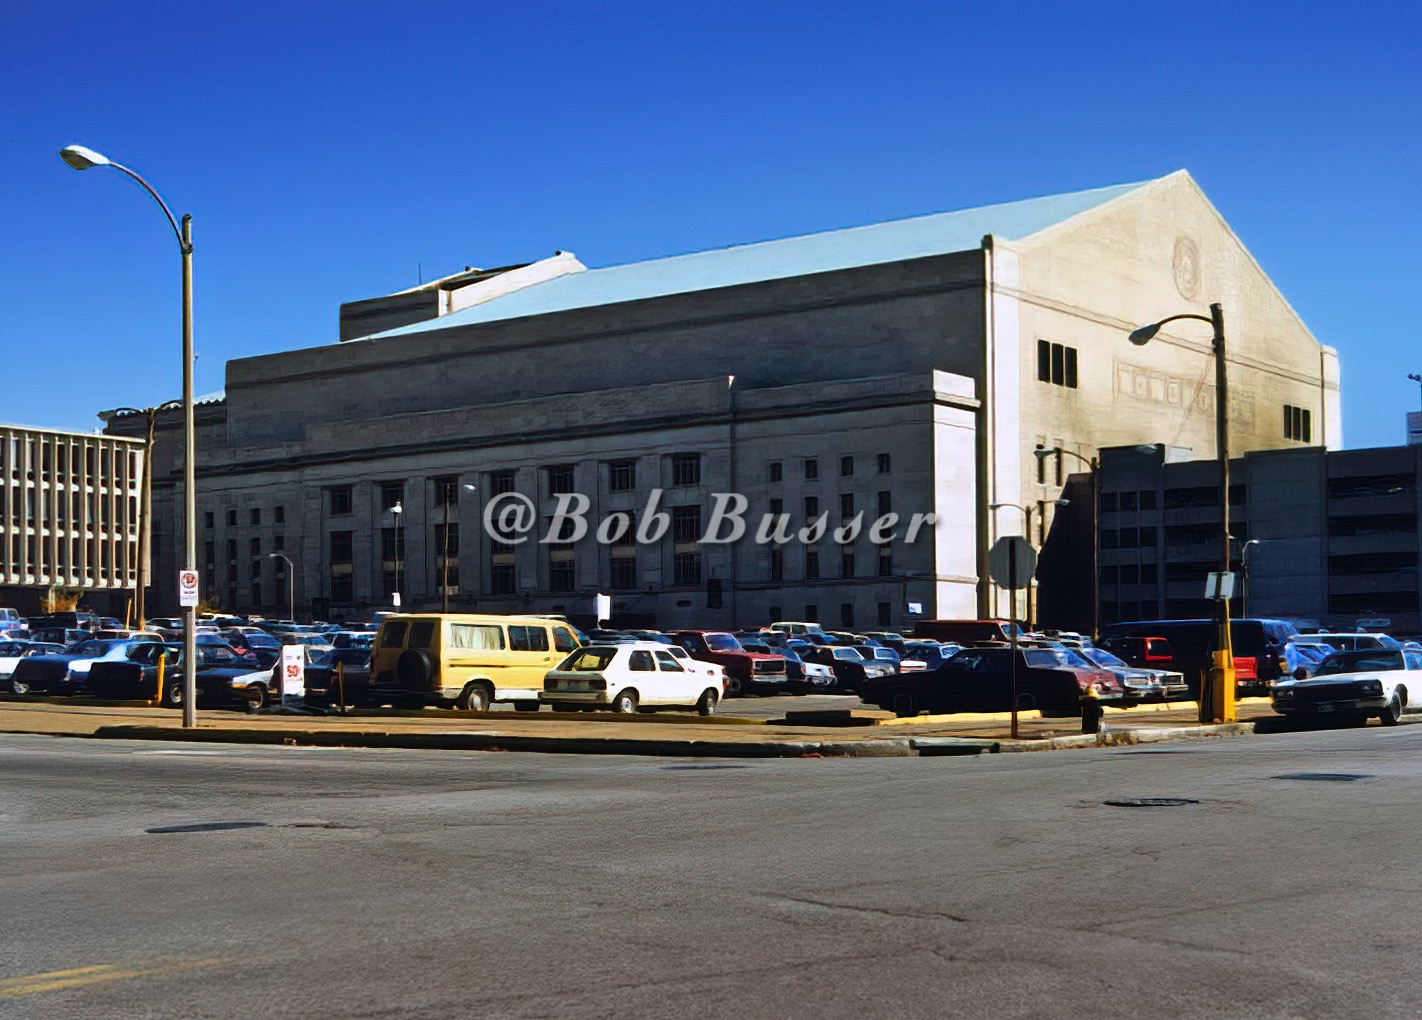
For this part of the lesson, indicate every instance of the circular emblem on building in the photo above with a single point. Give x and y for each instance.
(1186, 263)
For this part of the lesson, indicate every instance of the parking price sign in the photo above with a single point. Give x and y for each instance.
(293, 675)
(187, 588)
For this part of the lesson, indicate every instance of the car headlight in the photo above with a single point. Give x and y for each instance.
(1283, 694)
(1371, 688)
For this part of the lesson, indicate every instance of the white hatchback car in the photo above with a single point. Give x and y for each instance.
(629, 676)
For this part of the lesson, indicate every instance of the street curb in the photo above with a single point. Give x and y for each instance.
(1112, 737)
(548, 745)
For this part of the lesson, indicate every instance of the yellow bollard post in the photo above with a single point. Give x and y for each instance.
(341, 685)
(158, 696)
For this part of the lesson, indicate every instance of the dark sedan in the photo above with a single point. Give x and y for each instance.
(980, 680)
(66, 672)
(135, 676)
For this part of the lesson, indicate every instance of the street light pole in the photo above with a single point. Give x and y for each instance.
(290, 583)
(80, 158)
(1219, 706)
(397, 510)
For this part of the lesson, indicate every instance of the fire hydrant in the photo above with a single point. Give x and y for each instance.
(1091, 710)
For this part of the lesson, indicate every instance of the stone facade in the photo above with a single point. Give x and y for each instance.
(929, 361)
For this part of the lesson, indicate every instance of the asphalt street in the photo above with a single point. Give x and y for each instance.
(378, 884)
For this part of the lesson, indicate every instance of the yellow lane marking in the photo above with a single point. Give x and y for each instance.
(56, 980)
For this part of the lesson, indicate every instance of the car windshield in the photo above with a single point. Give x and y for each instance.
(1104, 658)
(593, 659)
(1379, 659)
(722, 643)
(852, 654)
(1043, 658)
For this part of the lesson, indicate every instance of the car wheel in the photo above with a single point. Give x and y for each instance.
(19, 687)
(734, 687)
(256, 698)
(1392, 715)
(476, 698)
(526, 706)
(625, 703)
(706, 704)
(172, 694)
(1026, 702)
(903, 704)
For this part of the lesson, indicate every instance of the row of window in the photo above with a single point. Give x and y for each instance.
(1298, 424)
(810, 467)
(1056, 364)
(1129, 538)
(254, 517)
(1130, 573)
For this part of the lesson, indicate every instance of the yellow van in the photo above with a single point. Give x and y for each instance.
(464, 660)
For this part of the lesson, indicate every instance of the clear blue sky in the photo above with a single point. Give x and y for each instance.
(329, 151)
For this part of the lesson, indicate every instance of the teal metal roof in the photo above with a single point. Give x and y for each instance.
(895, 241)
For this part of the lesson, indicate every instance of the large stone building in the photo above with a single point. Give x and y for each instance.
(905, 367)
(1321, 537)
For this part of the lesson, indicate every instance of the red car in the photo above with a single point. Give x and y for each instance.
(746, 672)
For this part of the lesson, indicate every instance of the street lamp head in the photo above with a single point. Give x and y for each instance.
(81, 158)
(470, 488)
(1061, 502)
(1144, 334)
(397, 509)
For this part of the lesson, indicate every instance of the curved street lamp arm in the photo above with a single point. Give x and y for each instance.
(1186, 315)
(187, 248)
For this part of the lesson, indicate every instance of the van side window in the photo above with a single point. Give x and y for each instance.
(422, 633)
(528, 639)
(640, 662)
(478, 636)
(563, 639)
(668, 664)
(393, 636)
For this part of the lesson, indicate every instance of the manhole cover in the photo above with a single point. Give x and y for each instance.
(701, 768)
(1325, 777)
(1150, 802)
(207, 827)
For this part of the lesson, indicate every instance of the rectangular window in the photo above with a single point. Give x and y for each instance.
(232, 553)
(255, 547)
(207, 520)
(1056, 364)
(446, 491)
(446, 540)
(341, 547)
(209, 553)
(812, 468)
(686, 569)
(392, 543)
(500, 482)
(1147, 538)
(501, 579)
(846, 561)
(478, 636)
(561, 576)
(885, 611)
(622, 475)
(528, 639)
(1130, 573)
(686, 469)
(560, 479)
(812, 613)
(812, 508)
(256, 570)
(1147, 499)
(1148, 573)
(777, 507)
(686, 523)
(392, 494)
(846, 467)
(624, 573)
(1128, 502)
(812, 564)
(1298, 424)
(255, 516)
(846, 505)
(885, 464)
(279, 514)
(846, 614)
(341, 502)
(776, 471)
(1108, 538)
(886, 503)
(886, 561)
(777, 563)
(231, 518)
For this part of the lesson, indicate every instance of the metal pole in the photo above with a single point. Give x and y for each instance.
(1095, 548)
(189, 481)
(290, 588)
(145, 501)
(1012, 628)
(1220, 706)
(1031, 620)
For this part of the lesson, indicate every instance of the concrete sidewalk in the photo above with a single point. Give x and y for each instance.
(865, 733)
